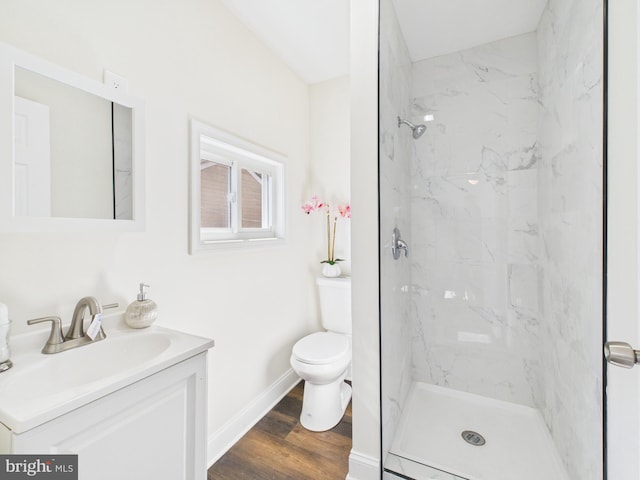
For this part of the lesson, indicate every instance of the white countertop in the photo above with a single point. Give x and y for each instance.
(42, 387)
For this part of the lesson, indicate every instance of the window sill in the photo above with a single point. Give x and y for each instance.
(236, 244)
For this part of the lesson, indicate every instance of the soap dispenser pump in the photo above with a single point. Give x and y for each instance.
(142, 312)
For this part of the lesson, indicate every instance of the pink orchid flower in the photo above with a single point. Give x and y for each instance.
(314, 205)
(317, 203)
(344, 211)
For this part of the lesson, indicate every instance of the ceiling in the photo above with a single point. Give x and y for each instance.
(312, 36)
(438, 27)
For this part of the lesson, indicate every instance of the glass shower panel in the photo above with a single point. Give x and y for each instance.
(395, 212)
(494, 318)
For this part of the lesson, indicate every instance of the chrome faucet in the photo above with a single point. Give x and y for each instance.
(76, 334)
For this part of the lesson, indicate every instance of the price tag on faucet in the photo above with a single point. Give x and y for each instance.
(94, 327)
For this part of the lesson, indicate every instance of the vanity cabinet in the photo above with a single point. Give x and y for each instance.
(152, 429)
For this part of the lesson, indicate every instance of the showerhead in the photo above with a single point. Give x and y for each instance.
(417, 130)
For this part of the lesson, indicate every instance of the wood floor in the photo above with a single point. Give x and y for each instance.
(279, 448)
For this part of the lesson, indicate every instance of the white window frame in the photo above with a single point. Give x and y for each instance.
(224, 148)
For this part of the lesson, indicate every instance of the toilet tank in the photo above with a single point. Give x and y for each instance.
(335, 303)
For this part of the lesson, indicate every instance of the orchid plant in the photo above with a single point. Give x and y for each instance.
(344, 211)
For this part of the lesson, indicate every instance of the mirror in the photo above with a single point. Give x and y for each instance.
(72, 150)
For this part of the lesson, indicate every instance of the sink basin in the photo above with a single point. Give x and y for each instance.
(75, 368)
(41, 387)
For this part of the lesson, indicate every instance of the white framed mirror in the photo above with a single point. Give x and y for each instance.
(71, 150)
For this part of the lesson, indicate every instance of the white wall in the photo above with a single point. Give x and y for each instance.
(329, 176)
(188, 58)
(623, 423)
(364, 461)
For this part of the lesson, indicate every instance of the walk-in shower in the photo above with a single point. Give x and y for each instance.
(491, 327)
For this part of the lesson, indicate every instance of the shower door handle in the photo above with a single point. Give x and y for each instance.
(621, 354)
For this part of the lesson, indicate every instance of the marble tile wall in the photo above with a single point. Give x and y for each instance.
(395, 150)
(570, 197)
(474, 221)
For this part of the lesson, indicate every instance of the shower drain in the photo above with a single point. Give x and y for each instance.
(473, 438)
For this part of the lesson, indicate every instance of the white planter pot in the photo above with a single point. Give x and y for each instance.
(331, 271)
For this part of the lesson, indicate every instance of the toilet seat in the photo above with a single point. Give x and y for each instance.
(322, 348)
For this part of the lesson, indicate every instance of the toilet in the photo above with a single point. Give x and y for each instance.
(323, 359)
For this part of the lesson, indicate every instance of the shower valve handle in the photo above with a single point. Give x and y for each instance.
(401, 245)
(621, 354)
(398, 245)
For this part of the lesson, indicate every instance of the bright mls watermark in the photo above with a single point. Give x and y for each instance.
(50, 467)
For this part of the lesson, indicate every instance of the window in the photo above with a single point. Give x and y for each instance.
(236, 191)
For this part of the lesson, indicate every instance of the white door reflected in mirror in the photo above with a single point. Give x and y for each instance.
(32, 159)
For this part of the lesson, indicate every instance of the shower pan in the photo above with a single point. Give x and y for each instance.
(491, 329)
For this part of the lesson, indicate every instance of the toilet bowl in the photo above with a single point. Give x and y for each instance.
(322, 360)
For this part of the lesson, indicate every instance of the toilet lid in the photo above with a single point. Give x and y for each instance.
(321, 348)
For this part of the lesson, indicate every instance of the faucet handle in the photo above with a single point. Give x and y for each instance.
(110, 305)
(55, 337)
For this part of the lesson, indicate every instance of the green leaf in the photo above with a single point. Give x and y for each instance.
(332, 262)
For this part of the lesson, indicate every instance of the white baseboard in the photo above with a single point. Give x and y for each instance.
(226, 436)
(363, 467)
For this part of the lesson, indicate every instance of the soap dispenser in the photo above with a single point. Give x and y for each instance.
(142, 312)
